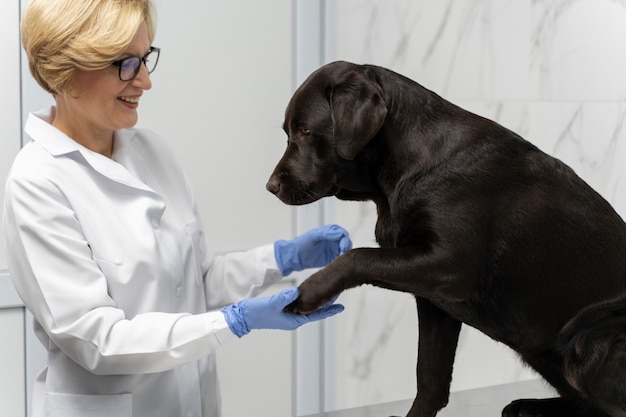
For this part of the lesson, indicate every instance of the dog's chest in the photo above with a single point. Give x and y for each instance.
(384, 237)
(386, 227)
(392, 233)
(399, 228)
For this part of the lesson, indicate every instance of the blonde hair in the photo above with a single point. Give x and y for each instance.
(61, 37)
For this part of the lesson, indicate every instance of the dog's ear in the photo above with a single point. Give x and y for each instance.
(358, 111)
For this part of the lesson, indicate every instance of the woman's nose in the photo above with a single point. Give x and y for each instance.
(142, 80)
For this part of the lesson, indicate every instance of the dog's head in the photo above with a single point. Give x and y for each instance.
(329, 120)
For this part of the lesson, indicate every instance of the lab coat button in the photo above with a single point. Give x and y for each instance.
(179, 291)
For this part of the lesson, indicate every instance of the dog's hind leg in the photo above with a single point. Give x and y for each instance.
(549, 364)
(438, 338)
(608, 387)
(589, 370)
(594, 355)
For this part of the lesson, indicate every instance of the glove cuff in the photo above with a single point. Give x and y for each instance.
(234, 319)
(286, 254)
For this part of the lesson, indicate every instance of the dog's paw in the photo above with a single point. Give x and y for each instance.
(303, 305)
(295, 307)
(313, 295)
(316, 291)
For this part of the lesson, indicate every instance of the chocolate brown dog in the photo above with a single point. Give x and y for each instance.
(480, 225)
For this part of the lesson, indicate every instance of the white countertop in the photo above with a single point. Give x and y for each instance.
(480, 402)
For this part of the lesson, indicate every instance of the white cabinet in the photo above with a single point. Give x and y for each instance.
(12, 375)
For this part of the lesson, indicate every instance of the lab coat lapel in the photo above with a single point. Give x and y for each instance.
(126, 155)
(58, 144)
(113, 169)
(117, 168)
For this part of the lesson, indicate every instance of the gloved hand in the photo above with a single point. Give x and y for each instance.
(315, 248)
(267, 313)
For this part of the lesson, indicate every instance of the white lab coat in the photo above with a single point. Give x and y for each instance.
(110, 257)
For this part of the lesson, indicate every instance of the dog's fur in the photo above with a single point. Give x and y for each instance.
(480, 225)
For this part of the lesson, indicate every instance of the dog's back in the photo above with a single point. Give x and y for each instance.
(467, 182)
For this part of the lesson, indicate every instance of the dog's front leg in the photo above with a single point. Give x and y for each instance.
(438, 337)
(431, 276)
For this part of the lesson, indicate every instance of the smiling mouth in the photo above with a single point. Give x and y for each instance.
(131, 100)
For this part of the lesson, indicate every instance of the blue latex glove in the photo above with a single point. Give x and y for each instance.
(267, 313)
(313, 249)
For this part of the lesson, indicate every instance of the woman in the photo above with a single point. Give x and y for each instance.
(105, 246)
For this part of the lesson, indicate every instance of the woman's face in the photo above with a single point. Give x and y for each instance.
(99, 102)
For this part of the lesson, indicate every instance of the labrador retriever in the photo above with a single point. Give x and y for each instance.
(479, 224)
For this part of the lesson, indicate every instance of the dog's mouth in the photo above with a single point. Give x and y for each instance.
(303, 197)
(293, 192)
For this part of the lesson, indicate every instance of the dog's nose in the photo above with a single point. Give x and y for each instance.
(273, 185)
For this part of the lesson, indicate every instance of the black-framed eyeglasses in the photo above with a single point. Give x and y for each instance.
(130, 66)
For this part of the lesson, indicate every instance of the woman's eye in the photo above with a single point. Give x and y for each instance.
(305, 131)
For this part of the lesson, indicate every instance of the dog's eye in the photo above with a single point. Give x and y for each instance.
(305, 131)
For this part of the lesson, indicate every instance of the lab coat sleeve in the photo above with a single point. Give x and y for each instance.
(53, 271)
(234, 276)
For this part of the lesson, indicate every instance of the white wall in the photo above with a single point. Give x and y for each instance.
(219, 93)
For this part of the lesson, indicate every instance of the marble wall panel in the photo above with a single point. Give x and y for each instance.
(554, 71)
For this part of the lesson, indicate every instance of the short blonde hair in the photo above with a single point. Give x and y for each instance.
(61, 37)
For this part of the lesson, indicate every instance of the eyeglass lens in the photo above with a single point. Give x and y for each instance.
(130, 66)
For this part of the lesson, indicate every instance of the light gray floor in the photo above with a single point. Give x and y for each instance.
(480, 402)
